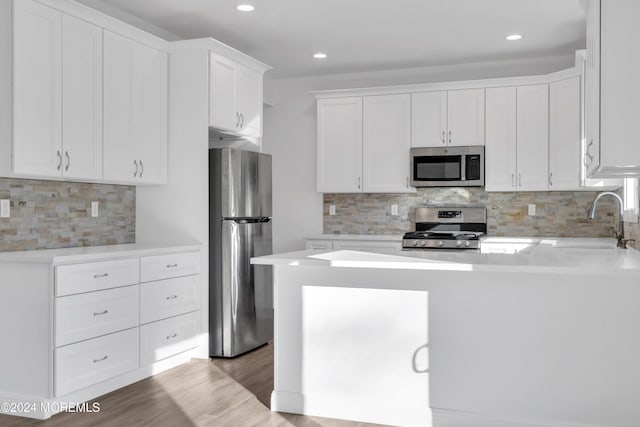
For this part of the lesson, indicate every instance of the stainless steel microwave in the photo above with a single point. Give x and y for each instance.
(447, 166)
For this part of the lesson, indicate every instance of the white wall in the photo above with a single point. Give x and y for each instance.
(290, 132)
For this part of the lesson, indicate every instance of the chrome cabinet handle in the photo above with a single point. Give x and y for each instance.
(359, 180)
(444, 140)
(98, 276)
(66, 153)
(172, 265)
(519, 180)
(170, 297)
(173, 335)
(141, 169)
(101, 359)
(100, 313)
(241, 120)
(407, 182)
(59, 160)
(237, 120)
(513, 179)
(135, 162)
(449, 137)
(550, 179)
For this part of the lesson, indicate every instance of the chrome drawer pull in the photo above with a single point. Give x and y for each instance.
(170, 297)
(101, 359)
(100, 313)
(172, 265)
(98, 276)
(172, 336)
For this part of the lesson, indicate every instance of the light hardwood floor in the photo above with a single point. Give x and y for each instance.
(217, 392)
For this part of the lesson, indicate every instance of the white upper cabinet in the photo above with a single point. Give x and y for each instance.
(235, 97)
(135, 111)
(533, 137)
(564, 134)
(447, 118)
(386, 143)
(89, 104)
(340, 145)
(465, 117)
(81, 99)
(501, 139)
(612, 89)
(37, 91)
(429, 119)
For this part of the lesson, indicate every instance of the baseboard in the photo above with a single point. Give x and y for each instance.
(351, 408)
(455, 418)
(39, 407)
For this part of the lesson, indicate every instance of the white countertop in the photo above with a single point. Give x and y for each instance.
(377, 237)
(92, 253)
(551, 255)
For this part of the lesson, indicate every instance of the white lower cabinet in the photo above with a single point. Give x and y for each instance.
(168, 337)
(169, 297)
(89, 362)
(363, 245)
(319, 245)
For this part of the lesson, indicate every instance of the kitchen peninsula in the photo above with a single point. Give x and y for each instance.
(543, 334)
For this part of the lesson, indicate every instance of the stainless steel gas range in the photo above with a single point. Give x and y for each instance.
(447, 228)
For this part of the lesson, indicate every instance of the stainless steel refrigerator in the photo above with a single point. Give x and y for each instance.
(240, 294)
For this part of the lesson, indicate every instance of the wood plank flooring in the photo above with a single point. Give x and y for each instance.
(218, 392)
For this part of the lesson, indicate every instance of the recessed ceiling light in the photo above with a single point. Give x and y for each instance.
(245, 8)
(513, 37)
(320, 55)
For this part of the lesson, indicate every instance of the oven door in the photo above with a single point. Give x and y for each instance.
(447, 167)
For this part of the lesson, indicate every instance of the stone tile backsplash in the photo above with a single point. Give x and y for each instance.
(561, 214)
(53, 214)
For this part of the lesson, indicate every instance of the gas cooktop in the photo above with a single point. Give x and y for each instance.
(447, 228)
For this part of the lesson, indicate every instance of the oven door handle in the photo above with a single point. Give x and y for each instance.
(463, 167)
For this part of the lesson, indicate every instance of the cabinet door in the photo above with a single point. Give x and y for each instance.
(564, 134)
(149, 113)
(340, 145)
(223, 111)
(37, 80)
(117, 161)
(591, 144)
(466, 117)
(81, 99)
(429, 119)
(386, 143)
(250, 102)
(367, 246)
(533, 137)
(501, 143)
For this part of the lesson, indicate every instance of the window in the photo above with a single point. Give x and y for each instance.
(631, 196)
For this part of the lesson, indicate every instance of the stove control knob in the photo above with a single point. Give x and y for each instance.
(459, 243)
(440, 243)
(415, 243)
(467, 243)
(423, 243)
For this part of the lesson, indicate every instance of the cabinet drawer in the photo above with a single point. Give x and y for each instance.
(167, 266)
(90, 362)
(322, 245)
(390, 247)
(84, 316)
(169, 297)
(168, 337)
(95, 276)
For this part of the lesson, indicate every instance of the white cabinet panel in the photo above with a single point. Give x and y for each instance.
(84, 316)
(429, 119)
(81, 99)
(37, 52)
(564, 134)
(89, 362)
(340, 145)
(466, 117)
(94, 276)
(501, 139)
(159, 340)
(160, 267)
(386, 143)
(367, 245)
(533, 137)
(223, 110)
(591, 147)
(167, 298)
(250, 102)
(319, 245)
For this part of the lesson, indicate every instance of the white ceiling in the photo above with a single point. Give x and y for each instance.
(369, 35)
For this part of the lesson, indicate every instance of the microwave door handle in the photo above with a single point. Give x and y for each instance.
(463, 167)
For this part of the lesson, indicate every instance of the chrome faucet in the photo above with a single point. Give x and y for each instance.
(619, 233)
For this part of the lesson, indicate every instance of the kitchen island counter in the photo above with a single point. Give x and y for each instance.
(544, 336)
